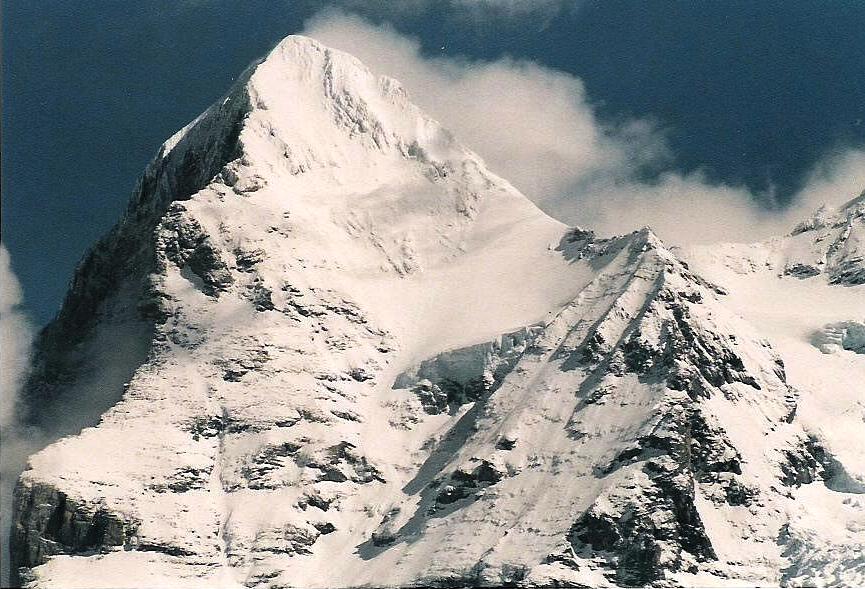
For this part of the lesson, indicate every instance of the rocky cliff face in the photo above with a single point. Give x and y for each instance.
(351, 356)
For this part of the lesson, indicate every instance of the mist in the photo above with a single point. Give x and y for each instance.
(537, 128)
(16, 442)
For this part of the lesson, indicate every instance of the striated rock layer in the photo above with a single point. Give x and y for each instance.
(326, 347)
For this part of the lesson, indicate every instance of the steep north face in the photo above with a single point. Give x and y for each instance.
(327, 347)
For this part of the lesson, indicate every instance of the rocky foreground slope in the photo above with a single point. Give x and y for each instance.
(326, 347)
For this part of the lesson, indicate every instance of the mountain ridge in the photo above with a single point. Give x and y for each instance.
(343, 353)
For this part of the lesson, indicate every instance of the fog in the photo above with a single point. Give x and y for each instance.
(16, 443)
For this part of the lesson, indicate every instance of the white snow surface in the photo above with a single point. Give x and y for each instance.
(265, 442)
(817, 328)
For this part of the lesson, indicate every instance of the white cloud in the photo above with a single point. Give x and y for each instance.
(481, 13)
(836, 179)
(536, 127)
(16, 336)
(537, 12)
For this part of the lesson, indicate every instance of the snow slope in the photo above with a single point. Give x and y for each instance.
(326, 347)
(805, 292)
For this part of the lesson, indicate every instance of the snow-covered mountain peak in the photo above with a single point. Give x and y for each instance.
(825, 216)
(827, 246)
(306, 61)
(325, 347)
(310, 131)
(315, 98)
(309, 109)
(831, 242)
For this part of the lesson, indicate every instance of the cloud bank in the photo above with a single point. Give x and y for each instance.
(537, 127)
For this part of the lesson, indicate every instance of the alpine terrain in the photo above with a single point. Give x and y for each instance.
(327, 347)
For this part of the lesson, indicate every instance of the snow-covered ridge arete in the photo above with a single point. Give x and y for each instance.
(326, 347)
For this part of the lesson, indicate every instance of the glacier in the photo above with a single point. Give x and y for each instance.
(325, 346)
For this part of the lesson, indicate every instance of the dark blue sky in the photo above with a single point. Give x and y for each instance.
(751, 92)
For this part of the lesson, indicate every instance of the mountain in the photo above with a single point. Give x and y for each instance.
(326, 347)
(804, 292)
